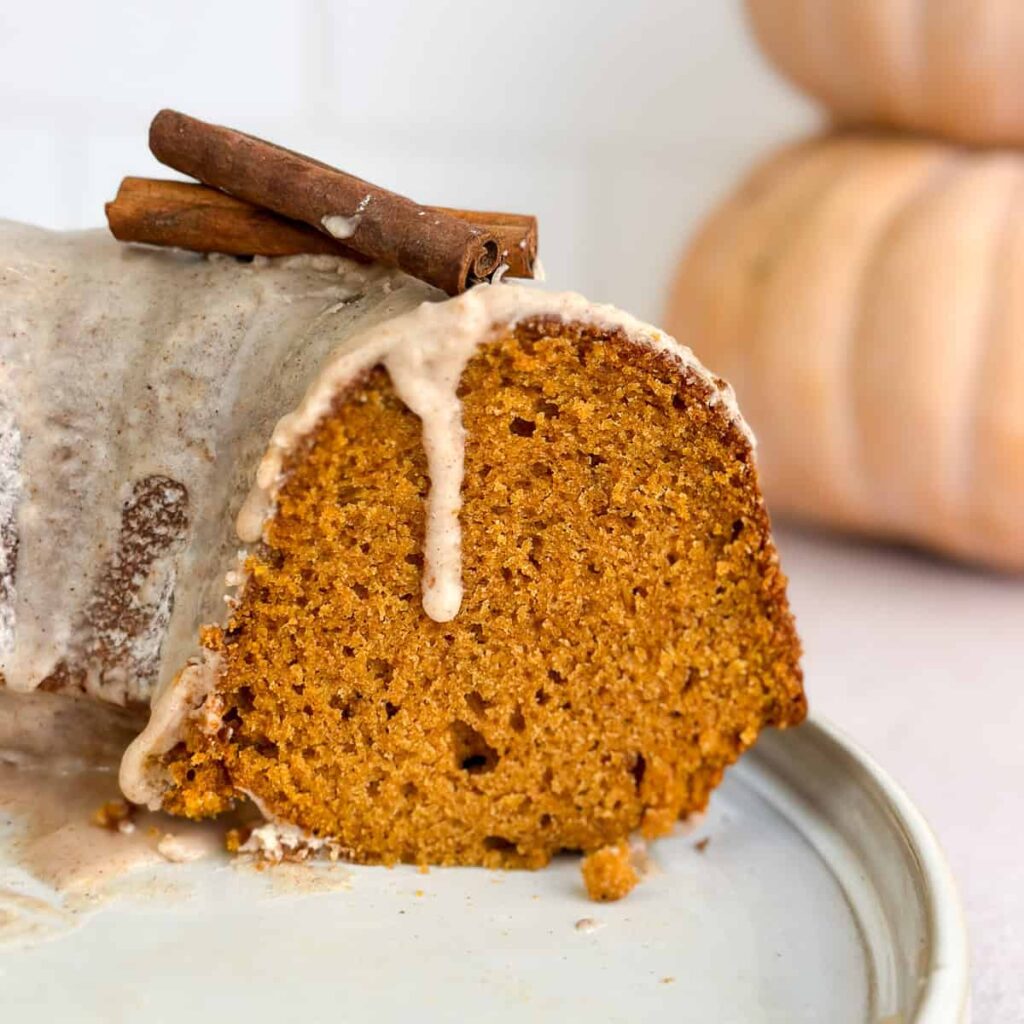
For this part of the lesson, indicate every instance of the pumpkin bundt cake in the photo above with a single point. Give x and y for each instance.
(505, 583)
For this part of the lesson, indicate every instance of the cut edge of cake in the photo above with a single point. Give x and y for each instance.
(424, 352)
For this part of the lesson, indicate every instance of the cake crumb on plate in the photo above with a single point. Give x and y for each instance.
(608, 873)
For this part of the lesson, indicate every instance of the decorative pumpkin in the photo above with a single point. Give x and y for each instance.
(865, 297)
(950, 67)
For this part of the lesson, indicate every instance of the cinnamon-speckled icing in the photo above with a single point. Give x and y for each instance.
(139, 389)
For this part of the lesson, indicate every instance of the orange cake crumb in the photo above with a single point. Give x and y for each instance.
(113, 815)
(609, 874)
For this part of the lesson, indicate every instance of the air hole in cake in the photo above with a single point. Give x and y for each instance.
(409, 790)
(499, 843)
(545, 821)
(391, 709)
(678, 403)
(415, 559)
(381, 669)
(637, 770)
(737, 528)
(516, 721)
(476, 703)
(596, 460)
(548, 409)
(473, 754)
(343, 705)
(244, 700)
(373, 789)
(348, 652)
(348, 494)
(360, 591)
(521, 427)
(476, 629)
(541, 697)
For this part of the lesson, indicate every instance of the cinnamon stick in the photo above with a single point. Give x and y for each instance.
(381, 225)
(515, 233)
(188, 216)
(204, 219)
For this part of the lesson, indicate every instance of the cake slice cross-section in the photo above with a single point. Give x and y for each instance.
(506, 587)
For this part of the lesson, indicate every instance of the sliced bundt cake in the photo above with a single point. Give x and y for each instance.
(504, 584)
(510, 590)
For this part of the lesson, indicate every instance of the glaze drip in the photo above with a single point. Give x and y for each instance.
(427, 382)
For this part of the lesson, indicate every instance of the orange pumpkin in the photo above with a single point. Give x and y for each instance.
(950, 67)
(865, 296)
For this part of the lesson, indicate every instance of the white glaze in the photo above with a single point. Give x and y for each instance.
(343, 226)
(119, 363)
(426, 379)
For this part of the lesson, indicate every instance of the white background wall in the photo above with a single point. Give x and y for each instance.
(616, 122)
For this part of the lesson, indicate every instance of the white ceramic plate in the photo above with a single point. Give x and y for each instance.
(820, 896)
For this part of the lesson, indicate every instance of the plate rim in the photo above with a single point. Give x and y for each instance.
(945, 985)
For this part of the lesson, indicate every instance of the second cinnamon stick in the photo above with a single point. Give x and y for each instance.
(433, 246)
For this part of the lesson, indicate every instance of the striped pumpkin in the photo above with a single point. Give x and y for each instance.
(948, 67)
